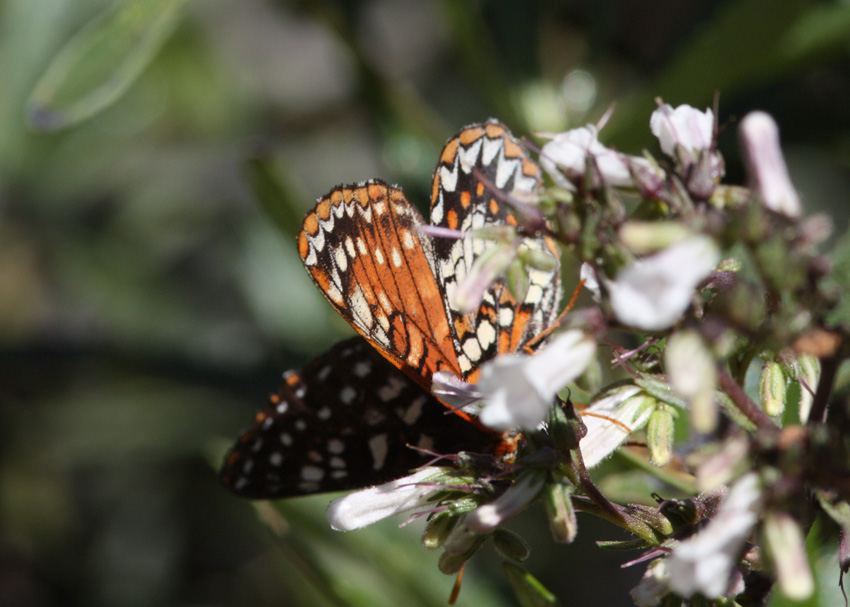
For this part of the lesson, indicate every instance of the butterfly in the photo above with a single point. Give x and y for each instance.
(362, 413)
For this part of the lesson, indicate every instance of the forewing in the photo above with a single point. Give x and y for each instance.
(362, 247)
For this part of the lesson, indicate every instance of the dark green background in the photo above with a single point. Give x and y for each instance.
(148, 303)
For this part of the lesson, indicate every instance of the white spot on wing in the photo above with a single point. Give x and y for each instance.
(534, 295)
(378, 446)
(506, 317)
(312, 473)
(407, 239)
(468, 157)
(448, 178)
(276, 459)
(505, 170)
(347, 395)
(363, 368)
(341, 260)
(396, 257)
(425, 442)
(335, 446)
(360, 309)
(491, 148)
(414, 410)
(391, 389)
(472, 348)
(486, 333)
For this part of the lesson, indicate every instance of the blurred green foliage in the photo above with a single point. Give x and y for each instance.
(148, 303)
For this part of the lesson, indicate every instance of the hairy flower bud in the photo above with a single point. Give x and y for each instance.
(659, 435)
(560, 511)
(772, 388)
(808, 377)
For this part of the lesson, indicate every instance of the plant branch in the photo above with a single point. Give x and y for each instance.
(744, 403)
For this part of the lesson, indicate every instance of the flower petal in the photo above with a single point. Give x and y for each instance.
(704, 562)
(609, 419)
(652, 293)
(362, 508)
(519, 389)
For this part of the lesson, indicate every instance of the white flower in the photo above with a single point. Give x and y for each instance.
(787, 547)
(610, 419)
(362, 508)
(565, 158)
(703, 563)
(653, 586)
(682, 130)
(652, 293)
(591, 281)
(519, 389)
(766, 167)
(489, 516)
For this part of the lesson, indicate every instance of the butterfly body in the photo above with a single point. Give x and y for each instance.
(362, 413)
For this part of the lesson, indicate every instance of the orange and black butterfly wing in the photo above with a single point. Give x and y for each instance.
(363, 248)
(478, 168)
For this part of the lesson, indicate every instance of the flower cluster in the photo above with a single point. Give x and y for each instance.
(696, 288)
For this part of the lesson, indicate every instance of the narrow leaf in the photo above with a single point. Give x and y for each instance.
(100, 62)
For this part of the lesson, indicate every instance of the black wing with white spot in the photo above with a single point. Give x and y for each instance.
(347, 420)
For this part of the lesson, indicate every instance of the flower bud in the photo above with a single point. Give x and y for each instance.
(766, 165)
(517, 280)
(808, 378)
(659, 435)
(786, 546)
(438, 530)
(557, 497)
(642, 237)
(451, 563)
(772, 388)
(462, 540)
(510, 545)
(489, 516)
(538, 259)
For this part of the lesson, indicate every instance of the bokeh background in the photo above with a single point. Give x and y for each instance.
(149, 298)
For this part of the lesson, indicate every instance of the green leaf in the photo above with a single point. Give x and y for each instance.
(100, 62)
